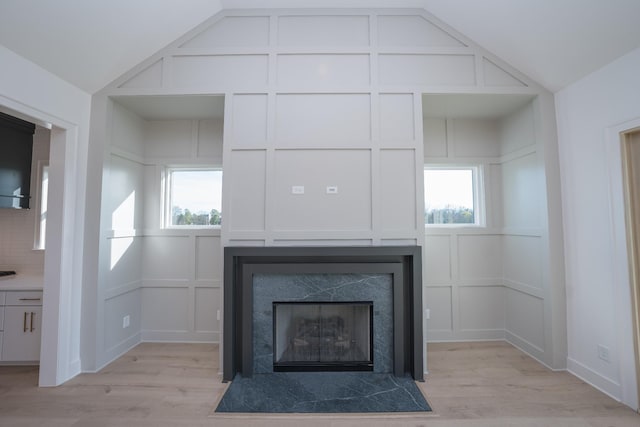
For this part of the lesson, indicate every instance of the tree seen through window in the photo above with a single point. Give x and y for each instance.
(195, 197)
(449, 196)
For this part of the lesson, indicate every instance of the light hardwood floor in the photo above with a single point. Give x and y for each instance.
(470, 384)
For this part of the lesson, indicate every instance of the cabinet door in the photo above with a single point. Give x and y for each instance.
(21, 340)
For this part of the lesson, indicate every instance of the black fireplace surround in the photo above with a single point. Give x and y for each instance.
(402, 263)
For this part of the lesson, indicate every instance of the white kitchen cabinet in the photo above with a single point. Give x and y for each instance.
(21, 326)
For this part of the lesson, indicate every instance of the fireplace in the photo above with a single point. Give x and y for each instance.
(322, 336)
(363, 310)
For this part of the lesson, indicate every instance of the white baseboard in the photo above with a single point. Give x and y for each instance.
(591, 377)
(119, 349)
(179, 336)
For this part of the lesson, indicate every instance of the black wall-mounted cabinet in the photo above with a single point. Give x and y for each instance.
(16, 150)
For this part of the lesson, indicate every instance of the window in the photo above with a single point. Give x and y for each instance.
(451, 195)
(41, 205)
(194, 197)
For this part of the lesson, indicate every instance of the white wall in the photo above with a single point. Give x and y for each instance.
(316, 108)
(591, 113)
(28, 90)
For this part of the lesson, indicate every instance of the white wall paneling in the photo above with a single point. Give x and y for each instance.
(397, 124)
(167, 257)
(518, 131)
(173, 317)
(323, 120)
(208, 312)
(126, 180)
(521, 190)
(494, 75)
(440, 305)
(233, 31)
(322, 71)
(474, 138)
(219, 70)
(249, 123)
(117, 338)
(184, 141)
(209, 140)
(349, 171)
(125, 265)
(482, 310)
(208, 266)
(438, 259)
(150, 77)
(168, 138)
(247, 176)
(311, 31)
(181, 301)
(397, 171)
(427, 70)
(523, 260)
(479, 257)
(413, 30)
(435, 138)
(127, 132)
(312, 108)
(525, 321)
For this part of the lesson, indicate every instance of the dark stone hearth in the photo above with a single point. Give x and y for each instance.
(322, 392)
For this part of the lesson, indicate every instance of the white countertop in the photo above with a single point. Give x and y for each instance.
(21, 282)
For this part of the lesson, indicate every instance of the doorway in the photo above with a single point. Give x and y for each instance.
(60, 340)
(631, 181)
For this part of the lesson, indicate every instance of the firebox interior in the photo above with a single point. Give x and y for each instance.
(323, 336)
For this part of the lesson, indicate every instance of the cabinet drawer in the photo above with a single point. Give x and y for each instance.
(2, 298)
(24, 298)
(1, 319)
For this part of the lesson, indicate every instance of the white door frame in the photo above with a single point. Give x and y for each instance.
(60, 342)
(620, 263)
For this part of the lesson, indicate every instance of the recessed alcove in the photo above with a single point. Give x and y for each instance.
(152, 264)
(484, 280)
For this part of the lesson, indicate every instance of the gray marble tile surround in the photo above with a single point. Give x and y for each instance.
(268, 288)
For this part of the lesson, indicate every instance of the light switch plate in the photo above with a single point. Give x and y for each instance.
(332, 189)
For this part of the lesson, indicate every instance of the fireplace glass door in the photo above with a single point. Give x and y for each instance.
(323, 336)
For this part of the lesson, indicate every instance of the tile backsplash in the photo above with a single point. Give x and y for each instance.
(17, 226)
(16, 242)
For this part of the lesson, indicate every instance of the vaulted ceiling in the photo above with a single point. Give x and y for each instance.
(89, 43)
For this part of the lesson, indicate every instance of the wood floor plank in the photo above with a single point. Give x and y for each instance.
(174, 385)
